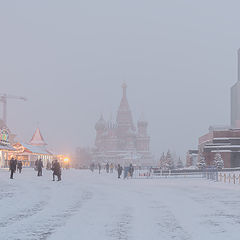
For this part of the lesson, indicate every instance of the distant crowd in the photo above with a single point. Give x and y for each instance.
(15, 165)
(109, 168)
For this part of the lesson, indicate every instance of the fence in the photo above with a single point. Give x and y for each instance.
(225, 175)
(149, 173)
(229, 178)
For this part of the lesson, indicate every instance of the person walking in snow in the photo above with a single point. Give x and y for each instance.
(107, 167)
(119, 169)
(48, 167)
(99, 168)
(131, 170)
(36, 165)
(126, 172)
(56, 168)
(92, 167)
(12, 167)
(39, 167)
(111, 168)
(16, 162)
(19, 166)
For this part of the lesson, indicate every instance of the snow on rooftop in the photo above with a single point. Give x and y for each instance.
(36, 149)
(7, 147)
(225, 146)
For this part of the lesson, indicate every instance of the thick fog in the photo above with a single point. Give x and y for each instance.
(69, 58)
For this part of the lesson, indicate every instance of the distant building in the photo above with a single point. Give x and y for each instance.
(192, 158)
(120, 141)
(224, 141)
(28, 153)
(5, 147)
(235, 100)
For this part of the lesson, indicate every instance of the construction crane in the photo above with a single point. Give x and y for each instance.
(4, 98)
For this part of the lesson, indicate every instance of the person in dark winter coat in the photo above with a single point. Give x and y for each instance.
(107, 167)
(39, 167)
(99, 168)
(119, 169)
(56, 168)
(16, 162)
(36, 165)
(19, 166)
(12, 167)
(131, 170)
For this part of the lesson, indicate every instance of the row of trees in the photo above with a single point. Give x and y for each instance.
(218, 161)
(167, 162)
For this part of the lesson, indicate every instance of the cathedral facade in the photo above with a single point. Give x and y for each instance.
(121, 141)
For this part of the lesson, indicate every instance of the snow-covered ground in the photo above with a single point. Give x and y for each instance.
(90, 206)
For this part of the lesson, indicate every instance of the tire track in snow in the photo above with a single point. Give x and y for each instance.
(168, 225)
(122, 227)
(25, 213)
(4, 195)
(47, 226)
(218, 217)
(7, 192)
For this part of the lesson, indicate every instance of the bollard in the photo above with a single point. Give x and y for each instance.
(229, 178)
(225, 178)
(234, 179)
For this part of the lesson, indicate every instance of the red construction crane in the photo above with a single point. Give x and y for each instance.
(3, 98)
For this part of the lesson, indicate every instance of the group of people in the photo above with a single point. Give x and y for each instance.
(15, 165)
(109, 168)
(128, 171)
(56, 168)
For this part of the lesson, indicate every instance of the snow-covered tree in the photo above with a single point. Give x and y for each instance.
(169, 163)
(218, 161)
(162, 161)
(179, 163)
(201, 162)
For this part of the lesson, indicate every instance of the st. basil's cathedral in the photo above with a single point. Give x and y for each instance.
(120, 141)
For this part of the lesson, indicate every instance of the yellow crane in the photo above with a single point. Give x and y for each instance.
(4, 98)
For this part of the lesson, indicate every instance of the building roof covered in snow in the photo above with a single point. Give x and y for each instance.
(7, 147)
(24, 147)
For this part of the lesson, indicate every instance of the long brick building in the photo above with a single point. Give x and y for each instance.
(223, 140)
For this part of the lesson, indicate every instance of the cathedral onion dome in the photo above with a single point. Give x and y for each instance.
(101, 124)
(142, 121)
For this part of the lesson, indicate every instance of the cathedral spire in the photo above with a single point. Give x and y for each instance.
(124, 116)
(124, 87)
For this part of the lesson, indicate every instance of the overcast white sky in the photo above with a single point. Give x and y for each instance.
(69, 58)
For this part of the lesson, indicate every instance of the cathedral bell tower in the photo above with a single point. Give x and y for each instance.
(143, 140)
(126, 129)
(124, 116)
(100, 128)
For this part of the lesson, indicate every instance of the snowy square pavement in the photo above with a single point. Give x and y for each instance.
(89, 206)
